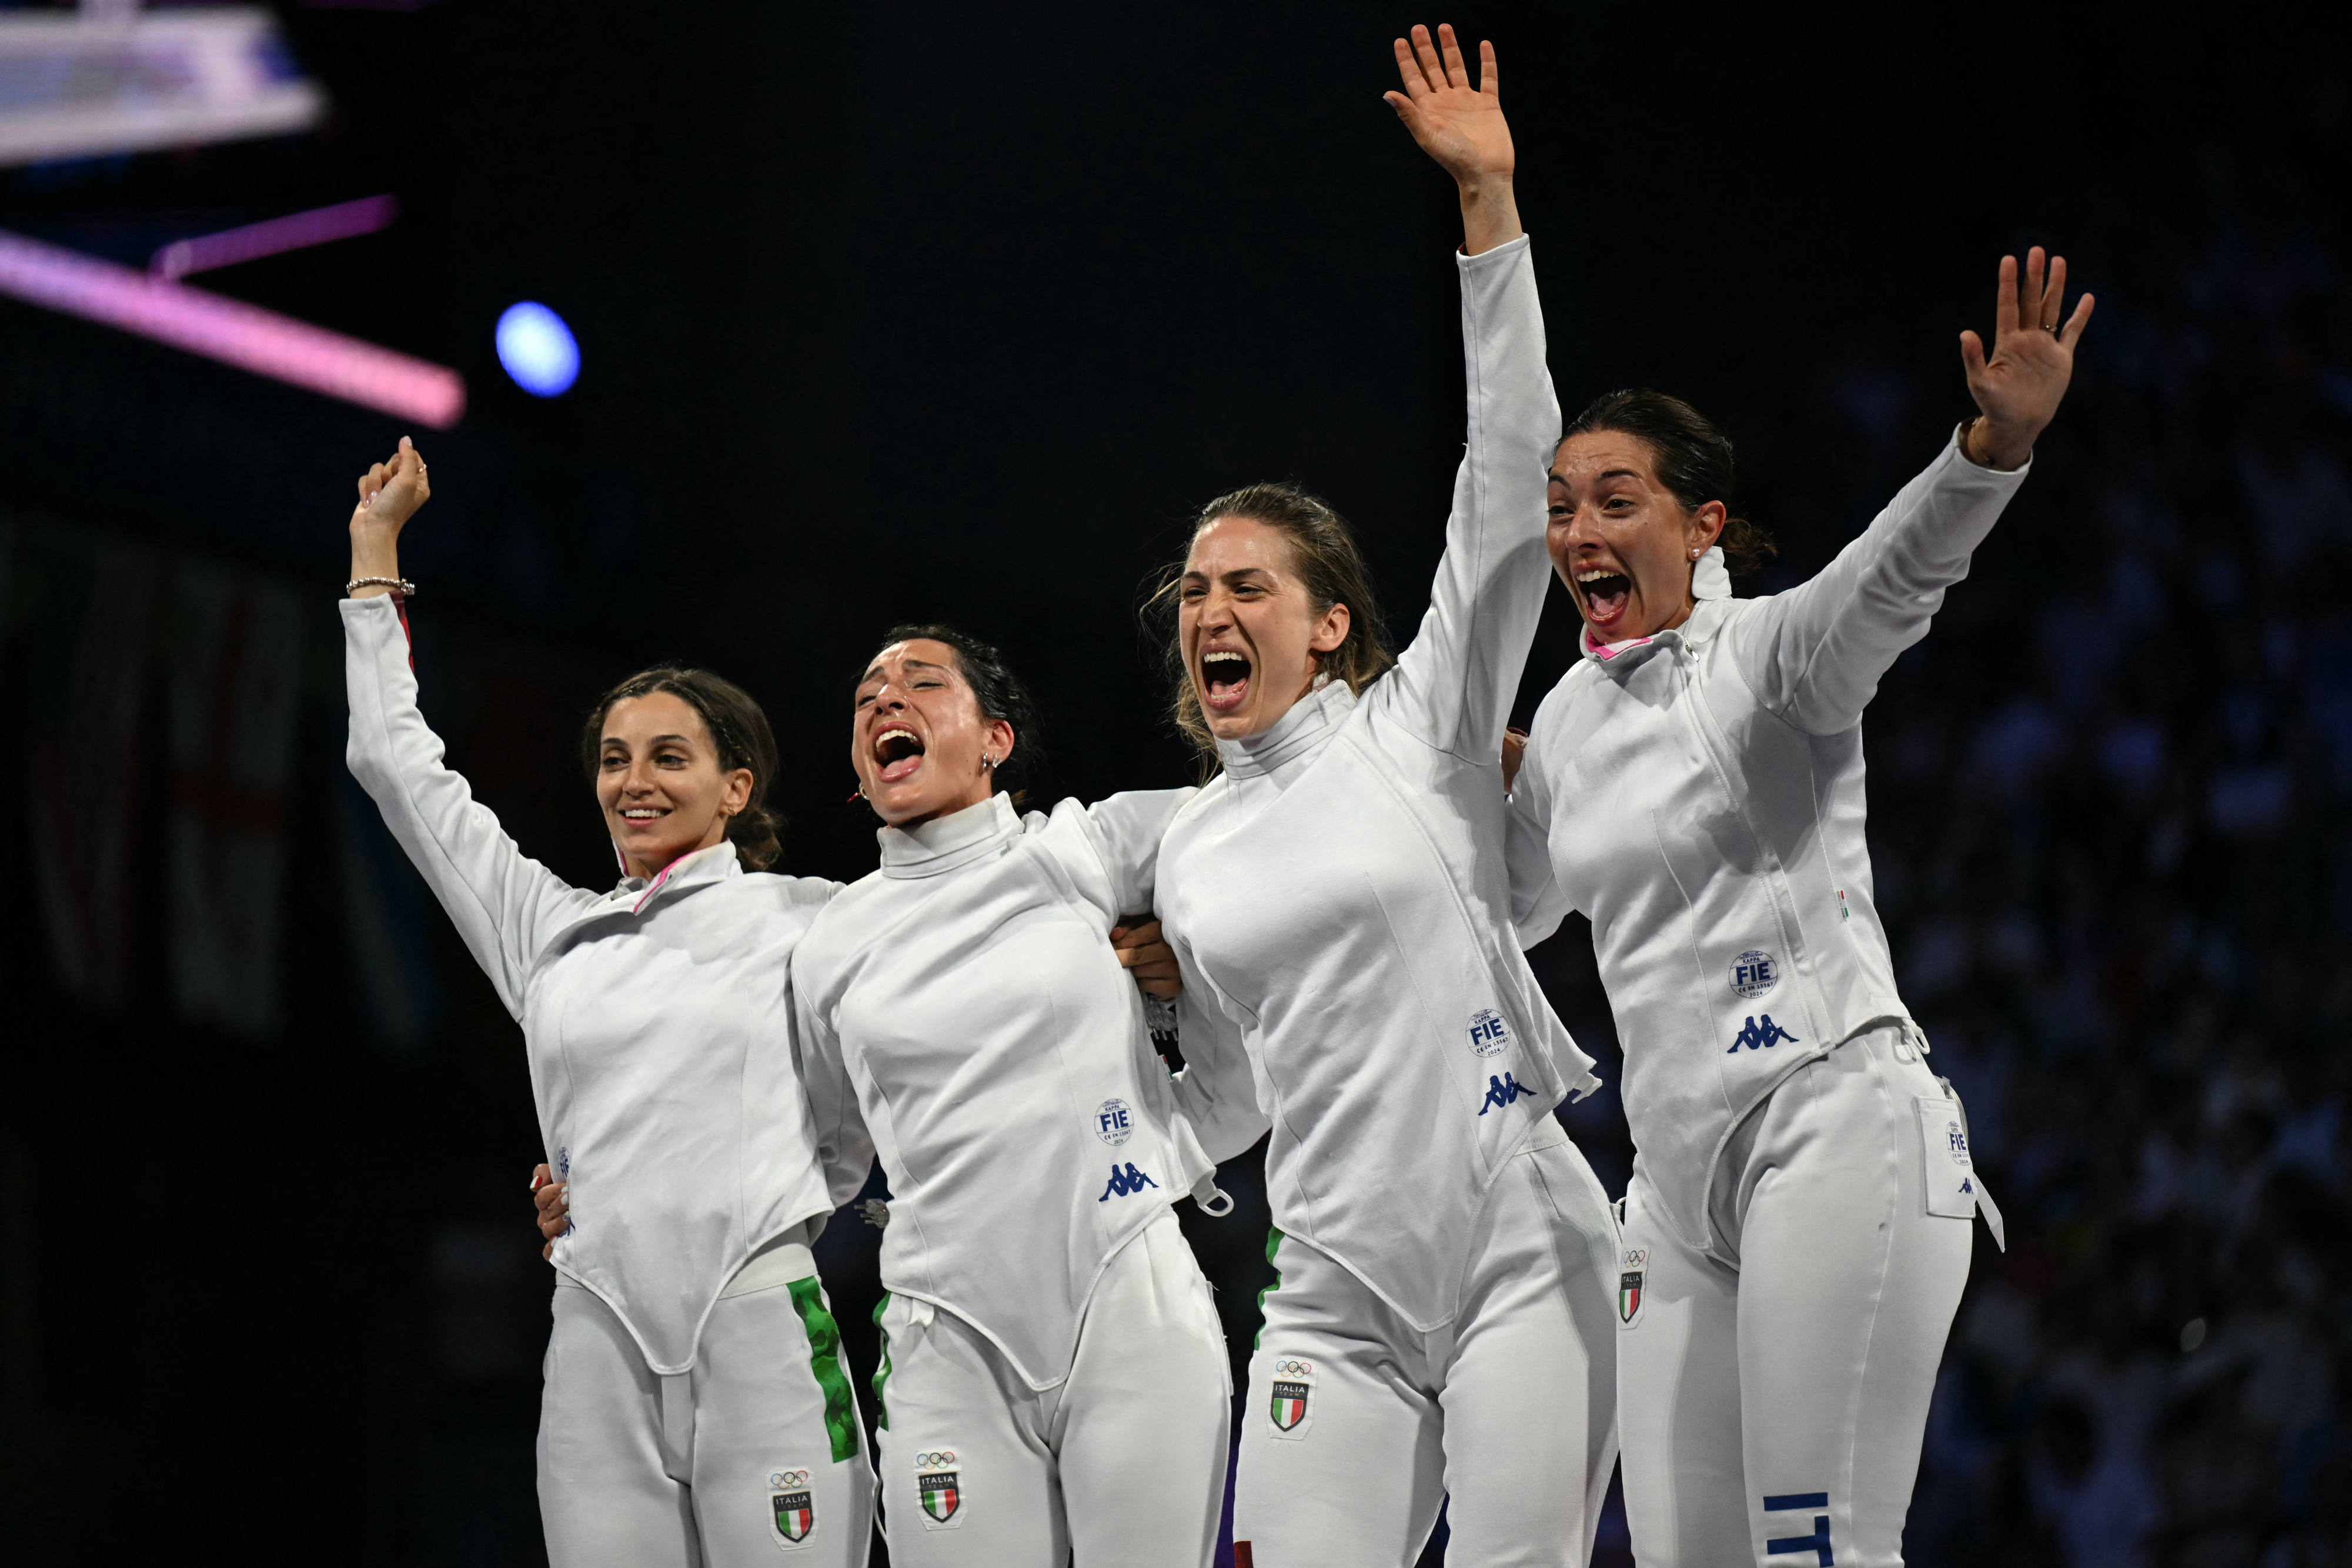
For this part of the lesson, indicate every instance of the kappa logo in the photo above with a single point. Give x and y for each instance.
(1755, 972)
(1294, 1382)
(1114, 1122)
(1123, 1182)
(792, 1507)
(1503, 1090)
(939, 1488)
(1628, 1285)
(1756, 1037)
(1489, 1035)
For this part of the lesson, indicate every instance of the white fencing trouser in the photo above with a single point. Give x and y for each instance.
(1773, 1412)
(1123, 1461)
(751, 1458)
(1358, 1427)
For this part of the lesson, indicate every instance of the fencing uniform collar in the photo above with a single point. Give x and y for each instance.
(713, 865)
(1295, 733)
(943, 844)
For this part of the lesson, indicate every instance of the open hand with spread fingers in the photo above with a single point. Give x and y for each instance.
(1460, 124)
(2020, 387)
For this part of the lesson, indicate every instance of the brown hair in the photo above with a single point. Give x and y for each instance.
(739, 734)
(1693, 459)
(1330, 566)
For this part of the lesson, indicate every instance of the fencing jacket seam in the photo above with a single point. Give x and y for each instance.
(673, 992)
(981, 1036)
(1327, 892)
(1737, 740)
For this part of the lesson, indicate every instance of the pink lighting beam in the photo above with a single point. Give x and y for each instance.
(231, 332)
(345, 220)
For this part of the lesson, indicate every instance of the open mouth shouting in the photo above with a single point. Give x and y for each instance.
(1224, 679)
(1607, 593)
(897, 753)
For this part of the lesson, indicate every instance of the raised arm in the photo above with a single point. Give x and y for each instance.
(1814, 655)
(504, 904)
(1538, 905)
(1454, 684)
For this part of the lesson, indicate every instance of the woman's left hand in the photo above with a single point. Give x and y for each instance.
(1460, 123)
(2018, 388)
(1144, 954)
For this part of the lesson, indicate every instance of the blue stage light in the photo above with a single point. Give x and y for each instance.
(538, 349)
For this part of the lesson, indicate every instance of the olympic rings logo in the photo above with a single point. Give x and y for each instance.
(934, 1460)
(783, 1479)
(1294, 1368)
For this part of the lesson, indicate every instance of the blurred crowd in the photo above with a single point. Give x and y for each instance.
(2108, 801)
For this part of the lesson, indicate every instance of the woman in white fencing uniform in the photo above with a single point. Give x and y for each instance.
(1337, 897)
(695, 1411)
(1053, 1375)
(1796, 1233)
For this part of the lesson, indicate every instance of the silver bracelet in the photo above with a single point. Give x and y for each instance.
(399, 585)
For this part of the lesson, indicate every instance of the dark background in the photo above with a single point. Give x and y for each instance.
(923, 312)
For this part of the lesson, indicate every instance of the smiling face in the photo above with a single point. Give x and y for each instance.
(1621, 541)
(1249, 627)
(919, 741)
(659, 782)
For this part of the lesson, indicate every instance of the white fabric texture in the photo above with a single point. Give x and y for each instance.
(1338, 896)
(654, 1017)
(1772, 1404)
(1512, 1407)
(641, 1470)
(961, 1012)
(1700, 796)
(1123, 1463)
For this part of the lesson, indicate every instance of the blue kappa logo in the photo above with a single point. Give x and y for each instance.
(1124, 1182)
(1503, 1090)
(1757, 1039)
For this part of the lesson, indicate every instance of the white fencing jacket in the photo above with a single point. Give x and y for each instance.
(1699, 796)
(961, 1011)
(1338, 892)
(656, 1018)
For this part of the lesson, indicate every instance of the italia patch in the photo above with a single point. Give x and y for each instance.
(1630, 1280)
(1292, 1404)
(792, 1507)
(939, 1488)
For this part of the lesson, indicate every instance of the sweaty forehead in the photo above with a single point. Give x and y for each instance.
(656, 713)
(914, 654)
(1232, 544)
(1585, 459)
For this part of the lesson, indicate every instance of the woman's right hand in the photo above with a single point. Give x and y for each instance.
(554, 1214)
(389, 493)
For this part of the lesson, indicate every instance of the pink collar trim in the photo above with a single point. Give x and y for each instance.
(1609, 650)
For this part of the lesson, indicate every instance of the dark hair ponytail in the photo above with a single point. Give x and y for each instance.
(1693, 459)
(1001, 696)
(739, 734)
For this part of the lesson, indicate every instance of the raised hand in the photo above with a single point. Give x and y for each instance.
(390, 493)
(2020, 387)
(1461, 125)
